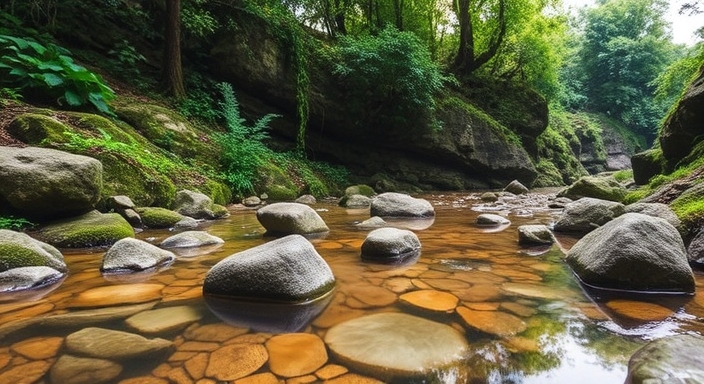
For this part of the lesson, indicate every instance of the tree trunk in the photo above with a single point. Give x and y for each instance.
(467, 60)
(171, 71)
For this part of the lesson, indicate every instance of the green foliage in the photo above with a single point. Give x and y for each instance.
(623, 175)
(14, 223)
(127, 59)
(198, 103)
(318, 178)
(243, 149)
(558, 144)
(49, 70)
(389, 79)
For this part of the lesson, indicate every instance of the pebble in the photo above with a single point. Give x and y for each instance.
(296, 354)
(164, 319)
(195, 366)
(330, 371)
(431, 300)
(109, 344)
(638, 310)
(373, 296)
(492, 322)
(83, 370)
(38, 348)
(236, 361)
(28, 373)
(117, 295)
(260, 378)
(144, 380)
(217, 332)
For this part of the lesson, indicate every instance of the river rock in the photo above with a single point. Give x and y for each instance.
(109, 344)
(306, 199)
(121, 202)
(285, 269)
(291, 218)
(390, 245)
(586, 214)
(78, 318)
(412, 346)
(492, 322)
(660, 210)
(673, 359)
(695, 251)
(535, 235)
(164, 319)
(116, 294)
(20, 250)
(191, 239)
(372, 222)
(633, 252)
(360, 189)
(134, 255)
(431, 300)
(235, 361)
(22, 278)
(251, 201)
(392, 204)
(490, 219)
(598, 187)
(70, 369)
(355, 201)
(194, 204)
(516, 188)
(46, 183)
(683, 126)
(489, 197)
(296, 354)
(92, 229)
(157, 217)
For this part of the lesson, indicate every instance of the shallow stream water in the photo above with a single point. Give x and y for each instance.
(522, 312)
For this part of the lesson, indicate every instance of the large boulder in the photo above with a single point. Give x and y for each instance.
(46, 183)
(392, 204)
(92, 229)
(647, 164)
(156, 217)
(683, 125)
(660, 210)
(586, 214)
(672, 359)
(18, 279)
(516, 188)
(390, 245)
(695, 251)
(132, 255)
(194, 204)
(189, 239)
(535, 234)
(19, 250)
(291, 218)
(633, 252)
(287, 269)
(598, 187)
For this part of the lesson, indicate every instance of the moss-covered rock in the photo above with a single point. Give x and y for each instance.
(220, 211)
(144, 187)
(20, 250)
(598, 187)
(36, 129)
(155, 217)
(89, 230)
(216, 190)
(647, 164)
(274, 182)
(360, 189)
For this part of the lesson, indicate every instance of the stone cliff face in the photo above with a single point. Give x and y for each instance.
(684, 125)
(468, 151)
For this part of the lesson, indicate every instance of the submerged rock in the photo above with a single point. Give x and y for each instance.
(490, 219)
(291, 218)
(46, 183)
(20, 250)
(633, 252)
(308, 349)
(287, 269)
(163, 320)
(191, 239)
(672, 359)
(390, 245)
(92, 229)
(391, 204)
(586, 214)
(70, 369)
(134, 255)
(108, 344)
(412, 346)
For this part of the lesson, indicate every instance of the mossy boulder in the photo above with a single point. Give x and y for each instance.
(683, 126)
(198, 206)
(647, 164)
(146, 188)
(156, 217)
(46, 183)
(360, 189)
(20, 250)
(275, 183)
(598, 187)
(35, 129)
(89, 230)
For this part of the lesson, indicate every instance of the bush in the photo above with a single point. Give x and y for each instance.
(49, 70)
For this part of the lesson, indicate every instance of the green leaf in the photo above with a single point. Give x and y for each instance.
(73, 99)
(52, 80)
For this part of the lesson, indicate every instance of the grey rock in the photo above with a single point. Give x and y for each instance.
(157, 217)
(46, 183)
(660, 210)
(695, 251)
(109, 344)
(194, 204)
(132, 217)
(633, 252)
(291, 218)
(372, 222)
(121, 202)
(70, 369)
(306, 199)
(20, 250)
(489, 196)
(92, 229)
(164, 320)
(392, 204)
(559, 202)
(516, 188)
(491, 219)
(355, 201)
(187, 222)
(390, 244)
(534, 235)
(586, 214)
(134, 255)
(598, 187)
(251, 201)
(682, 127)
(672, 359)
(191, 239)
(28, 277)
(286, 269)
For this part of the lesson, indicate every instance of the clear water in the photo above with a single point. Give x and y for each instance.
(569, 336)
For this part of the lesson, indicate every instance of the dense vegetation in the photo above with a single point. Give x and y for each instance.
(613, 64)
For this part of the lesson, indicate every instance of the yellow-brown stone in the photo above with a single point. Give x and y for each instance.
(330, 371)
(518, 309)
(296, 354)
(307, 379)
(144, 380)
(236, 361)
(638, 310)
(38, 348)
(492, 322)
(197, 346)
(260, 378)
(25, 373)
(353, 378)
(217, 332)
(480, 293)
(373, 296)
(117, 295)
(195, 366)
(431, 300)
(447, 284)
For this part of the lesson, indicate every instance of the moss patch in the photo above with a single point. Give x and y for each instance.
(37, 129)
(16, 256)
(90, 230)
(155, 217)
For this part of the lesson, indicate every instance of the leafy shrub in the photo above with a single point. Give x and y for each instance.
(243, 149)
(390, 79)
(14, 223)
(49, 70)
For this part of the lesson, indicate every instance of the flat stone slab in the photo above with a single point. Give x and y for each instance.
(164, 319)
(673, 359)
(113, 345)
(296, 354)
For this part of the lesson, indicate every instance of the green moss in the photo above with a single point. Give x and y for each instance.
(37, 129)
(121, 176)
(89, 230)
(689, 206)
(557, 145)
(623, 175)
(281, 193)
(276, 183)
(548, 174)
(16, 256)
(220, 211)
(360, 189)
(155, 217)
(217, 191)
(453, 102)
(636, 195)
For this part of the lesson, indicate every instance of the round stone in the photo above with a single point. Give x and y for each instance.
(235, 361)
(296, 354)
(493, 322)
(412, 345)
(431, 300)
